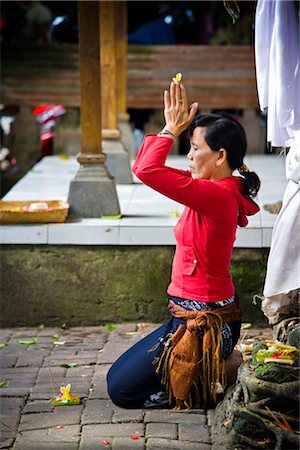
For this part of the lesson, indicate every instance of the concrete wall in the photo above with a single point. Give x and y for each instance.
(53, 285)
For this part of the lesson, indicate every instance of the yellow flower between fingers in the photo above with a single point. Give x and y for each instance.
(178, 77)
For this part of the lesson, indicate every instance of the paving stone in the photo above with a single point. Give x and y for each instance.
(12, 373)
(193, 432)
(22, 444)
(42, 396)
(187, 417)
(24, 332)
(113, 429)
(30, 360)
(88, 353)
(126, 443)
(210, 417)
(12, 350)
(66, 349)
(97, 411)
(8, 361)
(47, 439)
(99, 385)
(160, 444)
(61, 415)
(7, 434)
(97, 345)
(99, 391)
(101, 371)
(111, 354)
(20, 371)
(57, 360)
(48, 331)
(127, 415)
(10, 412)
(15, 383)
(7, 443)
(125, 327)
(15, 392)
(5, 334)
(80, 372)
(95, 442)
(46, 373)
(38, 406)
(161, 430)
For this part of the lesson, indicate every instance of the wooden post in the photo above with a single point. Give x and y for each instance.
(121, 51)
(90, 83)
(108, 70)
(92, 191)
(117, 160)
(121, 54)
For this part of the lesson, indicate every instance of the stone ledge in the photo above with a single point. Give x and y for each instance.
(94, 285)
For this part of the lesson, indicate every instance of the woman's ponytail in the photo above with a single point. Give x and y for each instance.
(251, 181)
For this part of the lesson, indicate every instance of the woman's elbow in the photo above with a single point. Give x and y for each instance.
(140, 173)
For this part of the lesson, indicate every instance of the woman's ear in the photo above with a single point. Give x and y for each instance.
(222, 157)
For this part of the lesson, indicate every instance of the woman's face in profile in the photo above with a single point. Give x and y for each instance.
(202, 158)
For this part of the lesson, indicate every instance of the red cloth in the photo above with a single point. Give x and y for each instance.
(205, 233)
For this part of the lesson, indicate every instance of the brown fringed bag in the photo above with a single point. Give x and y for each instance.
(185, 364)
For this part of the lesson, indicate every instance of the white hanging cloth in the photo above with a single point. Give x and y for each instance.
(277, 57)
(283, 269)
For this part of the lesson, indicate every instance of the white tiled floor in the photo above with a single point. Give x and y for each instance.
(148, 217)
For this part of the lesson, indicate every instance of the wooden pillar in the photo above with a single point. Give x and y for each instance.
(117, 160)
(122, 74)
(92, 191)
(121, 54)
(90, 83)
(108, 70)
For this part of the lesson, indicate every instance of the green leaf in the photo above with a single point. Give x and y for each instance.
(2, 384)
(246, 326)
(28, 342)
(3, 345)
(110, 327)
(55, 336)
(57, 402)
(118, 216)
(59, 343)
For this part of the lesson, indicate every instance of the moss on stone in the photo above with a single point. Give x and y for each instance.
(275, 373)
(91, 285)
(248, 278)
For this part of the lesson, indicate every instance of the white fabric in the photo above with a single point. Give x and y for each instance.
(283, 269)
(277, 58)
(277, 305)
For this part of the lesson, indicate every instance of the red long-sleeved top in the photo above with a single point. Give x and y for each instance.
(205, 232)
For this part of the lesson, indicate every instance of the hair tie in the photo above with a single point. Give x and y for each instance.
(244, 169)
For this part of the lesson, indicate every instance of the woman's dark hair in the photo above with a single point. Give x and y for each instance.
(224, 131)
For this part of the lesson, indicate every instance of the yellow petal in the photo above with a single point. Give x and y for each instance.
(178, 77)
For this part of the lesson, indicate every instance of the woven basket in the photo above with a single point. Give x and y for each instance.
(15, 212)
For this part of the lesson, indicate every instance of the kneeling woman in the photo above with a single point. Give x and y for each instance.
(182, 361)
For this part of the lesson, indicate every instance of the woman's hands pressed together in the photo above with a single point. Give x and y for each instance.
(178, 115)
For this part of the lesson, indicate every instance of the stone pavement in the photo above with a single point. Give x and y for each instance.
(31, 375)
